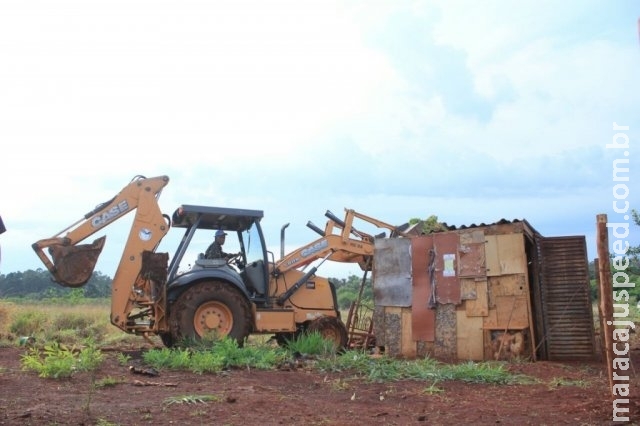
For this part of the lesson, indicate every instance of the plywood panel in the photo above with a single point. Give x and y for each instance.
(472, 236)
(510, 313)
(480, 306)
(468, 289)
(408, 342)
(513, 258)
(491, 255)
(507, 285)
(470, 337)
(505, 254)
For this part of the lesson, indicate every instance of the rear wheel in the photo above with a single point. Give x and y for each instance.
(284, 338)
(167, 339)
(211, 309)
(330, 328)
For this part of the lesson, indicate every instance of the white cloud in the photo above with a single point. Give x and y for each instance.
(473, 112)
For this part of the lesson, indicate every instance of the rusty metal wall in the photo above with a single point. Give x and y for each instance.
(566, 300)
(423, 314)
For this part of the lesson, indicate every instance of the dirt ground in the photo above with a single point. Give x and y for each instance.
(569, 393)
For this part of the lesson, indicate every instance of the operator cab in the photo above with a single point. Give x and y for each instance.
(244, 236)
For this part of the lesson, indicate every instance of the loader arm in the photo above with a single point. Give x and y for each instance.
(341, 242)
(72, 264)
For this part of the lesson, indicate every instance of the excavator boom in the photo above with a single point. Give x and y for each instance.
(71, 263)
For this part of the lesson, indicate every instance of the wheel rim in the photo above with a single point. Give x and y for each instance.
(213, 317)
(330, 329)
(331, 332)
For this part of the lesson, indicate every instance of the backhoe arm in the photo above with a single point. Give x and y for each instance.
(72, 264)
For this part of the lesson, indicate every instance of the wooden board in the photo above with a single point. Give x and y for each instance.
(507, 285)
(480, 306)
(470, 337)
(505, 254)
(408, 343)
(472, 236)
(507, 314)
(468, 290)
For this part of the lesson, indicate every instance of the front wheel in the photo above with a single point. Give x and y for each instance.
(330, 328)
(210, 309)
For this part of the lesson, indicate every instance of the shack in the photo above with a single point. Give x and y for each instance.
(483, 292)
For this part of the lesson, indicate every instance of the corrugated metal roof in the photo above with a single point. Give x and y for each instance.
(473, 225)
(499, 222)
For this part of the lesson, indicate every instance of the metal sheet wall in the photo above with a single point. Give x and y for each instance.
(566, 300)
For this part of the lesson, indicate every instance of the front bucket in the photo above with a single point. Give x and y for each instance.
(74, 264)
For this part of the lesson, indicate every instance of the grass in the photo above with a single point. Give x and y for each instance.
(64, 323)
(107, 382)
(58, 361)
(60, 350)
(558, 382)
(192, 399)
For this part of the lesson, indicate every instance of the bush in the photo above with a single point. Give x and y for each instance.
(28, 323)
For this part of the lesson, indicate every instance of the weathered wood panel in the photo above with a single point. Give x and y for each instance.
(479, 307)
(469, 336)
(505, 254)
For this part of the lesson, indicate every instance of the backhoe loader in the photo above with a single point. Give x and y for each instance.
(180, 301)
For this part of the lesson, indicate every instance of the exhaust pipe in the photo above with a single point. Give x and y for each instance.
(282, 239)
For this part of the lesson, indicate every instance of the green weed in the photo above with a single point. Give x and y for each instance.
(60, 361)
(191, 399)
(557, 382)
(107, 382)
(312, 344)
(123, 359)
(432, 389)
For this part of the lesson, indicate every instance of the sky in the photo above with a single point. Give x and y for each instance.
(470, 111)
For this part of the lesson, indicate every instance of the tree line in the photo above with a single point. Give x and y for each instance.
(39, 284)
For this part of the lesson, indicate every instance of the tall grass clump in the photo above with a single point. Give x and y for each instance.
(211, 356)
(384, 369)
(312, 344)
(58, 361)
(28, 323)
(69, 324)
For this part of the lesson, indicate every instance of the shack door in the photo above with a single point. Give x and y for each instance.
(567, 329)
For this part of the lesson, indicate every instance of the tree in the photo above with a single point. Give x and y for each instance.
(347, 290)
(39, 284)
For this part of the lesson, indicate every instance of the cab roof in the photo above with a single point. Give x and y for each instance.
(208, 217)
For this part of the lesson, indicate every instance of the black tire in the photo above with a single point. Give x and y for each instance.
(330, 328)
(211, 308)
(167, 339)
(284, 338)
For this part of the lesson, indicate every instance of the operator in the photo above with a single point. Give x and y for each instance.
(215, 249)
